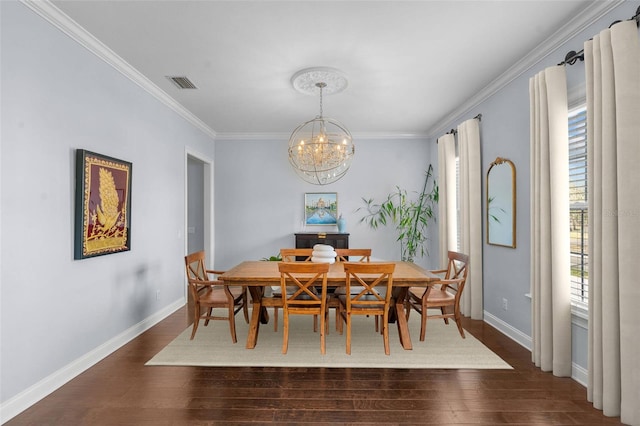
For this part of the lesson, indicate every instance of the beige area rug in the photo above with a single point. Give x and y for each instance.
(443, 347)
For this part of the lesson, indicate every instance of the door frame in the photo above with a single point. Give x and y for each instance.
(208, 200)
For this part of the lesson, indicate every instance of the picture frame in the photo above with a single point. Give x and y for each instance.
(102, 205)
(320, 208)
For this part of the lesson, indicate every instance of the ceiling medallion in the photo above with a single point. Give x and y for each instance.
(306, 80)
(320, 150)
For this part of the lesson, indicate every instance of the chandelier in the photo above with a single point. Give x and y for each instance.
(320, 150)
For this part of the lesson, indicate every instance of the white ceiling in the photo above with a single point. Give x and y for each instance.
(409, 64)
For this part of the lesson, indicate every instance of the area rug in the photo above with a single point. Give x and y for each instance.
(442, 348)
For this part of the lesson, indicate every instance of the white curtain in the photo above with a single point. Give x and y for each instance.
(549, 196)
(612, 61)
(471, 215)
(447, 215)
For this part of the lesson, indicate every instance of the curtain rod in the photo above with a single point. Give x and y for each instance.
(572, 57)
(454, 131)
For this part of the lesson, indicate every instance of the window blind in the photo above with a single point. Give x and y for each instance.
(578, 203)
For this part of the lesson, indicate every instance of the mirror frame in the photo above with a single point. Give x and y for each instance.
(499, 161)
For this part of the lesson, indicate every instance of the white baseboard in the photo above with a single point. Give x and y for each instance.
(578, 373)
(14, 406)
(509, 331)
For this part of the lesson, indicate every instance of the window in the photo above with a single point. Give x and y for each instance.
(578, 203)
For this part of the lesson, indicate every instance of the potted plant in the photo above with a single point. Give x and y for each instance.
(275, 258)
(410, 217)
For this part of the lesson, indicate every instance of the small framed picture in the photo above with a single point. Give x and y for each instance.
(321, 208)
(103, 205)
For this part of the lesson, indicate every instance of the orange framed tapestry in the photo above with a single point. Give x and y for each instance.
(102, 205)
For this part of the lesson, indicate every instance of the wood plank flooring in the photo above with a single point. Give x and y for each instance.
(120, 390)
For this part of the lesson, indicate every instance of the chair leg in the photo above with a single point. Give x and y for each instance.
(275, 318)
(245, 306)
(423, 322)
(285, 331)
(196, 320)
(206, 322)
(232, 324)
(385, 334)
(323, 333)
(444, 312)
(348, 333)
(326, 321)
(407, 307)
(459, 322)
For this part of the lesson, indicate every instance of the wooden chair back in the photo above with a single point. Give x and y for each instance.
(299, 282)
(353, 255)
(455, 275)
(208, 293)
(199, 277)
(287, 255)
(296, 254)
(373, 284)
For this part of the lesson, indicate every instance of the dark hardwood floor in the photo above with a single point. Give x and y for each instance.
(120, 390)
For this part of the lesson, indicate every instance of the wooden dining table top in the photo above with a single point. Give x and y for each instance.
(262, 273)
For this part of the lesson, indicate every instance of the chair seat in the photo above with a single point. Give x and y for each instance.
(436, 296)
(357, 290)
(343, 300)
(217, 294)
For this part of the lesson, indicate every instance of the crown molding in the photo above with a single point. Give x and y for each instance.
(593, 12)
(237, 136)
(588, 16)
(60, 20)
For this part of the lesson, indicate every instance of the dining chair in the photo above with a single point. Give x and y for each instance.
(275, 300)
(446, 296)
(343, 255)
(362, 255)
(208, 293)
(374, 282)
(299, 282)
(296, 254)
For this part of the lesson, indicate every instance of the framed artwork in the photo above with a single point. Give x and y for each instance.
(102, 205)
(320, 208)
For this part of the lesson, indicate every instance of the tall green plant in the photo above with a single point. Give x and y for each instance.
(410, 217)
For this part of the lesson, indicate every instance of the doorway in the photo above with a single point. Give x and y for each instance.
(198, 208)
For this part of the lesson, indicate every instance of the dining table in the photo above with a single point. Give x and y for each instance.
(259, 275)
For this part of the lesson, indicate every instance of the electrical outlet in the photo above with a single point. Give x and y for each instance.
(505, 304)
(157, 294)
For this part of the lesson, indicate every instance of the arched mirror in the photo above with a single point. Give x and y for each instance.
(501, 203)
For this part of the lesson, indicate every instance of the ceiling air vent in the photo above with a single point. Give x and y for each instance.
(182, 82)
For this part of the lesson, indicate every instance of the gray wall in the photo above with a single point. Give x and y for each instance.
(57, 97)
(259, 201)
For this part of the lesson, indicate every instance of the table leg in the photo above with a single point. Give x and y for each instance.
(258, 314)
(403, 326)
